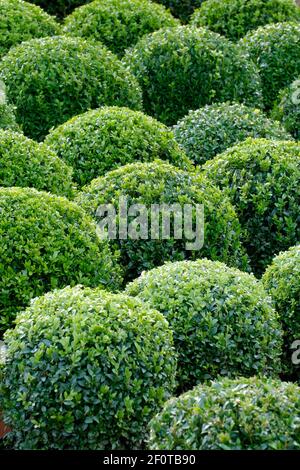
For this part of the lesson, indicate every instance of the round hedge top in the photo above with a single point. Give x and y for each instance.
(8, 118)
(161, 183)
(181, 8)
(287, 109)
(222, 319)
(21, 21)
(52, 79)
(60, 8)
(106, 138)
(240, 414)
(118, 24)
(101, 365)
(47, 242)
(25, 163)
(282, 280)
(210, 130)
(275, 49)
(262, 179)
(185, 68)
(234, 18)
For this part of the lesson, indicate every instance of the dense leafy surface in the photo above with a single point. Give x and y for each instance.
(46, 242)
(103, 139)
(282, 280)
(181, 8)
(86, 370)
(249, 414)
(234, 18)
(52, 79)
(161, 183)
(212, 129)
(118, 24)
(8, 118)
(60, 8)
(262, 179)
(287, 110)
(185, 68)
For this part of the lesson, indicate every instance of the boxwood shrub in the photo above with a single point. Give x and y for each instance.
(103, 139)
(282, 280)
(52, 79)
(59, 8)
(118, 24)
(212, 129)
(86, 370)
(21, 21)
(262, 179)
(8, 118)
(160, 183)
(185, 68)
(234, 18)
(240, 414)
(26, 163)
(181, 8)
(275, 49)
(287, 109)
(47, 242)
(222, 319)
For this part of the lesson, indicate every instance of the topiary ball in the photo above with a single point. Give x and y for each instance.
(275, 49)
(52, 79)
(287, 109)
(47, 242)
(101, 365)
(241, 414)
(8, 118)
(185, 68)
(25, 163)
(262, 179)
(234, 18)
(118, 24)
(21, 21)
(106, 138)
(60, 8)
(181, 8)
(210, 130)
(150, 236)
(282, 280)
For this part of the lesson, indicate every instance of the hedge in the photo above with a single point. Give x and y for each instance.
(50, 80)
(59, 8)
(8, 118)
(185, 68)
(104, 139)
(181, 8)
(287, 109)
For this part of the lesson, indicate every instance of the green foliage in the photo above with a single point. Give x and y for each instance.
(21, 21)
(86, 370)
(8, 118)
(118, 24)
(60, 8)
(161, 183)
(282, 280)
(211, 130)
(287, 109)
(185, 68)
(106, 138)
(47, 242)
(275, 49)
(241, 414)
(222, 319)
(181, 8)
(234, 18)
(262, 179)
(25, 163)
(52, 79)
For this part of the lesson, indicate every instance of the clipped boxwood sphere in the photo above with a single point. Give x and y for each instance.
(234, 18)
(118, 24)
(8, 118)
(282, 280)
(52, 79)
(25, 163)
(212, 129)
(181, 8)
(240, 414)
(103, 139)
(185, 68)
(160, 183)
(262, 179)
(21, 21)
(287, 110)
(275, 49)
(59, 8)
(86, 370)
(47, 242)
(222, 319)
